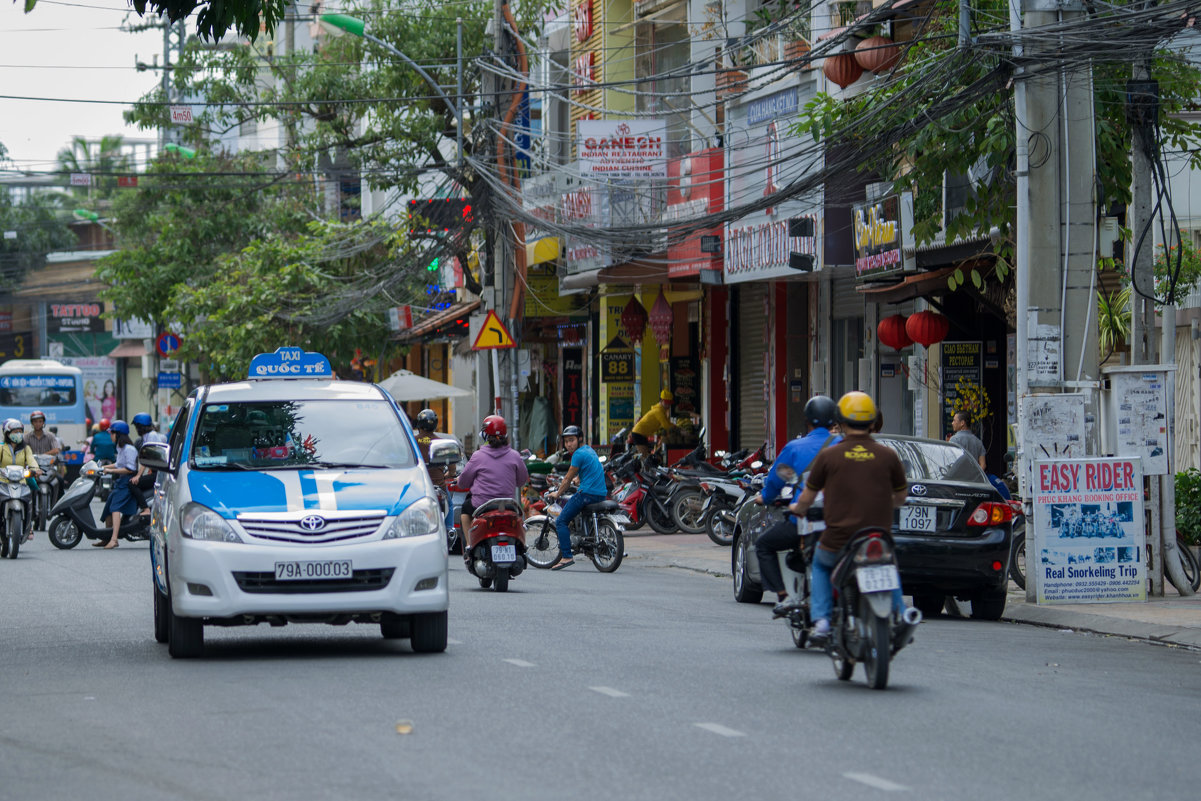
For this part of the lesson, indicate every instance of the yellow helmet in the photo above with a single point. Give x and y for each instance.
(666, 395)
(857, 410)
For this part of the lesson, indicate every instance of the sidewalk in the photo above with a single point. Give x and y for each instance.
(1171, 620)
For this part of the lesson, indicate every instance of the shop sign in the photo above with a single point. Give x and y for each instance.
(617, 367)
(764, 109)
(542, 298)
(74, 317)
(133, 328)
(581, 18)
(763, 250)
(622, 148)
(1089, 542)
(572, 386)
(16, 346)
(696, 188)
(539, 197)
(881, 231)
(583, 73)
(586, 205)
(6, 321)
(962, 367)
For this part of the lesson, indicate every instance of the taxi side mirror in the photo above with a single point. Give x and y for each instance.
(445, 452)
(153, 455)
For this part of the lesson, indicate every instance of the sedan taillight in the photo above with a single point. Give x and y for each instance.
(990, 513)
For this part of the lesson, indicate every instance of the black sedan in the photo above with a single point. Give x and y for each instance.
(953, 534)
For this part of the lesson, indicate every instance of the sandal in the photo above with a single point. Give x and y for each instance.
(110, 545)
(562, 563)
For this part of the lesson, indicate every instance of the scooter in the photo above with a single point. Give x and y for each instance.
(495, 546)
(861, 621)
(71, 519)
(643, 494)
(16, 500)
(50, 487)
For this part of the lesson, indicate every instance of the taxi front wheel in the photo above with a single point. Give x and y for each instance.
(185, 635)
(428, 633)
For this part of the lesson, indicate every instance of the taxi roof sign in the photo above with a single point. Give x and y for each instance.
(290, 362)
(493, 335)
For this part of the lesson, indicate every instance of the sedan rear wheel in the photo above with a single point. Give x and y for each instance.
(745, 590)
(929, 605)
(989, 604)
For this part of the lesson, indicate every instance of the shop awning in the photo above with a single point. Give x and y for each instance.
(435, 321)
(542, 250)
(133, 349)
(909, 287)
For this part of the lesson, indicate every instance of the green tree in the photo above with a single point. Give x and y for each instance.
(102, 160)
(28, 231)
(214, 18)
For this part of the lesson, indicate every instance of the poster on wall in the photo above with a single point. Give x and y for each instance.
(99, 384)
(962, 368)
(1140, 409)
(572, 385)
(1088, 531)
(685, 384)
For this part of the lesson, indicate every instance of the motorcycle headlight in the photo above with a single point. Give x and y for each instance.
(420, 518)
(202, 523)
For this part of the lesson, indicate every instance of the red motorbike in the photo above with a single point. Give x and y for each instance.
(495, 548)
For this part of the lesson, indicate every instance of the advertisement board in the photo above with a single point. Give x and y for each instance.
(1089, 543)
(622, 148)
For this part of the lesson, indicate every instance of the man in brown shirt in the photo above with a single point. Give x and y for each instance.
(863, 482)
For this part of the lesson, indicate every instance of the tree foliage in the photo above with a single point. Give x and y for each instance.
(39, 227)
(214, 18)
(99, 159)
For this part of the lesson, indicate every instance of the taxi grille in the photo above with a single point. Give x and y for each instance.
(265, 582)
(332, 530)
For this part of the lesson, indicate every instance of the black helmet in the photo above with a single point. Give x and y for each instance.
(821, 411)
(427, 419)
(572, 431)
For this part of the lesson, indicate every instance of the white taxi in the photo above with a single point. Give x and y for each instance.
(293, 497)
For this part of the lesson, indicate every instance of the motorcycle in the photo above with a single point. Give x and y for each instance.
(50, 487)
(595, 532)
(643, 492)
(861, 621)
(495, 548)
(1017, 555)
(722, 497)
(17, 499)
(71, 519)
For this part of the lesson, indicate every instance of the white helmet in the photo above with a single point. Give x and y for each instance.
(14, 429)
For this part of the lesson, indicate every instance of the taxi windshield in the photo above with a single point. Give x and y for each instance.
(282, 435)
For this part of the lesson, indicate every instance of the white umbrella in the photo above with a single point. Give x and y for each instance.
(405, 385)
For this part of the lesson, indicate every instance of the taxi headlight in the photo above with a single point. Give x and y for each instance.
(422, 517)
(202, 523)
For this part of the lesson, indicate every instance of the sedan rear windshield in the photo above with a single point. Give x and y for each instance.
(935, 461)
(281, 435)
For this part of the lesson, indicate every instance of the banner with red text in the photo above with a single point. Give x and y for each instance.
(1089, 542)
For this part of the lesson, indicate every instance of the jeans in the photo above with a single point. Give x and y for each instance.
(822, 593)
(782, 536)
(571, 508)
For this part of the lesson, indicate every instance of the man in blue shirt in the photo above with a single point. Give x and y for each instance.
(820, 414)
(586, 465)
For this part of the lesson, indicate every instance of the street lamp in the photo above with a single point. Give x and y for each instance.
(186, 152)
(93, 217)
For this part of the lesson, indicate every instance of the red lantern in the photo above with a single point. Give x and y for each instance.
(891, 332)
(877, 54)
(661, 320)
(633, 320)
(842, 69)
(927, 327)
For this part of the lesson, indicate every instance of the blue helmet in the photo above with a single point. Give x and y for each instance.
(142, 420)
(120, 427)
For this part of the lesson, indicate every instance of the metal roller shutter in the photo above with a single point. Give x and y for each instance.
(751, 350)
(846, 302)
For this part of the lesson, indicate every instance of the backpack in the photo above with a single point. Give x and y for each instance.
(103, 447)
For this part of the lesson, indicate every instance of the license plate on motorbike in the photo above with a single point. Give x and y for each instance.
(917, 518)
(307, 571)
(878, 579)
(504, 554)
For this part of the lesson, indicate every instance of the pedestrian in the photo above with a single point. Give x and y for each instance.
(963, 437)
(121, 502)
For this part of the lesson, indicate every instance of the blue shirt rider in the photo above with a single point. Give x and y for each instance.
(820, 415)
(587, 466)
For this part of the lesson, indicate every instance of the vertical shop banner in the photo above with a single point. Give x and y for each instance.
(99, 384)
(685, 383)
(573, 386)
(1088, 531)
(961, 362)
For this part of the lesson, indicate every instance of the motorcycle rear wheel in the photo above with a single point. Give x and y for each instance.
(542, 549)
(609, 549)
(660, 520)
(843, 667)
(877, 648)
(1017, 562)
(63, 533)
(686, 506)
(718, 529)
(502, 579)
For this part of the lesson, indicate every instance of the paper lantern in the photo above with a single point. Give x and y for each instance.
(633, 320)
(891, 332)
(927, 327)
(877, 54)
(842, 69)
(662, 320)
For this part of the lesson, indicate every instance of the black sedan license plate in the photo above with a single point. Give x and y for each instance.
(307, 571)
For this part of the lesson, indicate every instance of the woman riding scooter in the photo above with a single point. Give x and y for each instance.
(495, 471)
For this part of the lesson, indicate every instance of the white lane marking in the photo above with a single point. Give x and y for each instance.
(520, 662)
(609, 691)
(874, 781)
(717, 728)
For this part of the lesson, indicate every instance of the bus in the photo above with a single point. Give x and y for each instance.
(27, 385)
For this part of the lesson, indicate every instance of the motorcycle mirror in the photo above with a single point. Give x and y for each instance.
(755, 465)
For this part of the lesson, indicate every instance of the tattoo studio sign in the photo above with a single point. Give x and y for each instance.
(64, 317)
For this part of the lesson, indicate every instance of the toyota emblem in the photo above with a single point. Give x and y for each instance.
(918, 489)
(312, 522)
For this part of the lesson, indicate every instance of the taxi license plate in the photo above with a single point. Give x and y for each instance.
(307, 571)
(504, 554)
(877, 579)
(917, 518)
